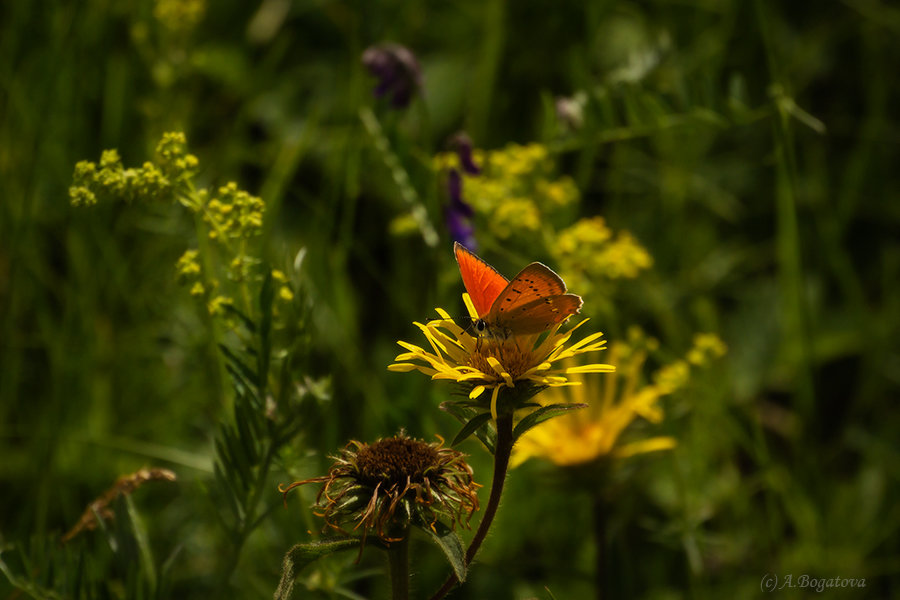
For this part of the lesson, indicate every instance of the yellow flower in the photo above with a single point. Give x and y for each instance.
(216, 306)
(590, 254)
(593, 433)
(179, 15)
(522, 365)
(706, 346)
(514, 216)
(557, 194)
(285, 293)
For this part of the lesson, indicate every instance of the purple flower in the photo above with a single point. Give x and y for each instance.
(460, 228)
(457, 213)
(397, 70)
(454, 190)
(463, 144)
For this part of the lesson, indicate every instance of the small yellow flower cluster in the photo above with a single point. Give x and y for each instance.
(151, 182)
(674, 376)
(188, 268)
(516, 190)
(234, 214)
(707, 346)
(217, 304)
(614, 402)
(233, 217)
(173, 157)
(284, 290)
(190, 271)
(187, 265)
(179, 15)
(111, 179)
(588, 251)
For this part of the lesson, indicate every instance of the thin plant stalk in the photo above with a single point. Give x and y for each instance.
(502, 452)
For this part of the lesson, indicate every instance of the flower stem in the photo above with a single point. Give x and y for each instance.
(502, 452)
(600, 511)
(398, 559)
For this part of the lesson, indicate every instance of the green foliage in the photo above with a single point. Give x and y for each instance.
(302, 555)
(538, 416)
(449, 542)
(748, 148)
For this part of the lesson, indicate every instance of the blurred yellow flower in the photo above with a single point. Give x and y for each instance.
(589, 247)
(593, 433)
(521, 364)
(624, 257)
(556, 194)
(217, 305)
(613, 404)
(188, 265)
(514, 216)
(706, 346)
(516, 190)
(179, 15)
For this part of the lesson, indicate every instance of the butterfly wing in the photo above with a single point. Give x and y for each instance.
(540, 314)
(533, 301)
(483, 283)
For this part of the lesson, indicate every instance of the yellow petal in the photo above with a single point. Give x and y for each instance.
(494, 396)
(651, 445)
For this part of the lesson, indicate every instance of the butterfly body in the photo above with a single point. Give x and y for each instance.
(532, 302)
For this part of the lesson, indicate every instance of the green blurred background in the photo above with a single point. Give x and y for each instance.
(751, 147)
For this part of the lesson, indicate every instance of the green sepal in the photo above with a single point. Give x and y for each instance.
(450, 544)
(301, 555)
(469, 428)
(542, 414)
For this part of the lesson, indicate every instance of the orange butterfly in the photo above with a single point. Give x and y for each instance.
(534, 301)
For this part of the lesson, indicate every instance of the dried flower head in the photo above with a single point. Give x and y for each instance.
(100, 507)
(386, 486)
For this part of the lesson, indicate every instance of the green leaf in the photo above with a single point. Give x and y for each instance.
(448, 541)
(247, 321)
(302, 555)
(542, 414)
(25, 585)
(487, 435)
(239, 370)
(247, 433)
(266, 298)
(470, 427)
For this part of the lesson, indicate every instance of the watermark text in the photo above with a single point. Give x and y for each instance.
(771, 582)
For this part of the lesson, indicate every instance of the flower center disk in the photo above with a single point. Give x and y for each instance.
(394, 461)
(514, 360)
